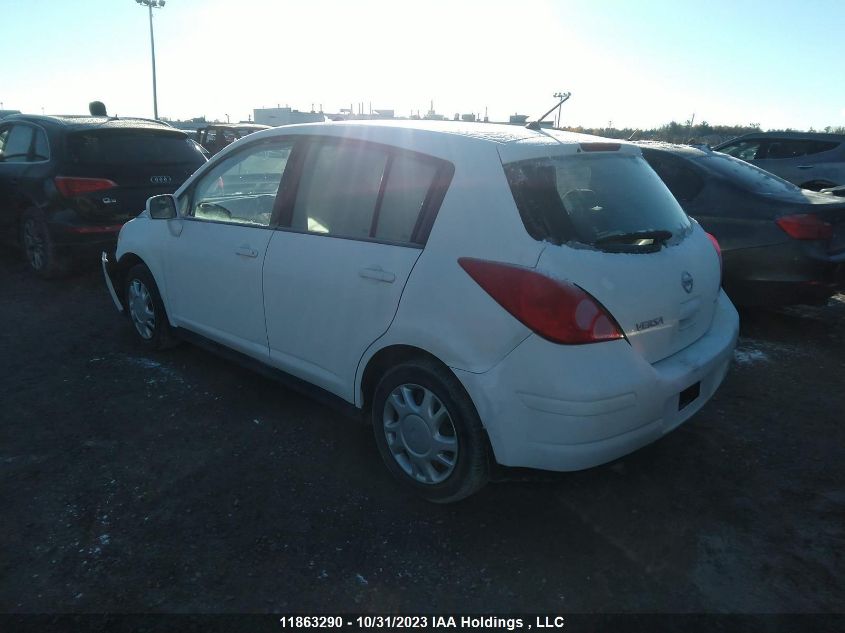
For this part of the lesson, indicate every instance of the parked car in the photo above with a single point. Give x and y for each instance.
(780, 244)
(68, 183)
(810, 160)
(215, 137)
(477, 292)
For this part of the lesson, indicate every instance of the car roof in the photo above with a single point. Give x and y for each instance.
(688, 151)
(72, 122)
(809, 136)
(513, 142)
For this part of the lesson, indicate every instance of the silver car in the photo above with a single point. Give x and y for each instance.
(810, 160)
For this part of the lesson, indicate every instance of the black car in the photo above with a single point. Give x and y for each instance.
(68, 183)
(780, 244)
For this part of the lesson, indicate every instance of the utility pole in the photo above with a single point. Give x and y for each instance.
(153, 4)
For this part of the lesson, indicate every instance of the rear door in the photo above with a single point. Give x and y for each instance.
(616, 231)
(216, 248)
(334, 274)
(141, 162)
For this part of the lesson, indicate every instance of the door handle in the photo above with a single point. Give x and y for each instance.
(378, 274)
(246, 251)
(805, 166)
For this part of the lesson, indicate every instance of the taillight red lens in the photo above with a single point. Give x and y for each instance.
(70, 187)
(718, 248)
(556, 310)
(805, 226)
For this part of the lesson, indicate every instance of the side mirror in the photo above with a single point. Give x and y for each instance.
(162, 207)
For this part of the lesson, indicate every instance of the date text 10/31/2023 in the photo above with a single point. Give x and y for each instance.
(390, 622)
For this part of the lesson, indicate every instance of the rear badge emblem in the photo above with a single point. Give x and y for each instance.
(161, 180)
(686, 282)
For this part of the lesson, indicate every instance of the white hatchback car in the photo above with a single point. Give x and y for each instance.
(478, 292)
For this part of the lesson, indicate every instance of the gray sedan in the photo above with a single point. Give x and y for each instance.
(810, 160)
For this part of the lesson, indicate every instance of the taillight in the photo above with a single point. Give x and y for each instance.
(718, 248)
(556, 310)
(805, 226)
(70, 187)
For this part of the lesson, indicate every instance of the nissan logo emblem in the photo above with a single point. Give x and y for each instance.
(686, 282)
(161, 180)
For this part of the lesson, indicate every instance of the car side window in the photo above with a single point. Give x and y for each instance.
(409, 181)
(41, 149)
(339, 188)
(18, 142)
(242, 188)
(744, 150)
(682, 180)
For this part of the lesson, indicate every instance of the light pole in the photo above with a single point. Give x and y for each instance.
(153, 4)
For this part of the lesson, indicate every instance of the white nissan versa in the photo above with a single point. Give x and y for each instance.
(480, 292)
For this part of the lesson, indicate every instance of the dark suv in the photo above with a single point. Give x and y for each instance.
(68, 183)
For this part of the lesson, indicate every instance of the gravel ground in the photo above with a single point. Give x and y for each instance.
(179, 482)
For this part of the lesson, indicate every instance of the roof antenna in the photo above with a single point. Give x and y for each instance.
(563, 96)
(97, 108)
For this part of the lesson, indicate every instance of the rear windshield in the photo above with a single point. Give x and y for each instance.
(589, 198)
(746, 175)
(132, 148)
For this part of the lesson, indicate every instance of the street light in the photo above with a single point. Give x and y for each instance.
(153, 4)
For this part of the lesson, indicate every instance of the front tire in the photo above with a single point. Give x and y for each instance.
(428, 432)
(146, 310)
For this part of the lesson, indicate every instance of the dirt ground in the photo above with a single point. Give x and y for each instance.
(183, 483)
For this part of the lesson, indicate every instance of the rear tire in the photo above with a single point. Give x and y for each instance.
(39, 248)
(145, 310)
(429, 433)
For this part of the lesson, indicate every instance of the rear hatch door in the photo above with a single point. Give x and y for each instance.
(141, 162)
(617, 232)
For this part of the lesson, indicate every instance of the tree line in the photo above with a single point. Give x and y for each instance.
(675, 132)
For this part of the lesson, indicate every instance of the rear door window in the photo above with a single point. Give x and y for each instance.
(683, 180)
(409, 180)
(593, 198)
(361, 190)
(339, 188)
(17, 144)
(131, 147)
(40, 149)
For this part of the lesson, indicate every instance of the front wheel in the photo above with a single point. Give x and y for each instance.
(428, 432)
(146, 309)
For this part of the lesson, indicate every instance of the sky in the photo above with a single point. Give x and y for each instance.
(628, 63)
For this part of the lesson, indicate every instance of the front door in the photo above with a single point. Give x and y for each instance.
(216, 248)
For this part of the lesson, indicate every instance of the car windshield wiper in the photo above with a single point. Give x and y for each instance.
(657, 236)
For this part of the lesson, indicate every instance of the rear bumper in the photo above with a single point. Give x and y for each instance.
(782, 274)
(109, 270)
(573, 407)
(84, 242)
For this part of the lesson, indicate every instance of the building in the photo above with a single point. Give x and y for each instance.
(285, 116)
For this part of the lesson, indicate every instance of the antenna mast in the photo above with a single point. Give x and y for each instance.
(563, 96)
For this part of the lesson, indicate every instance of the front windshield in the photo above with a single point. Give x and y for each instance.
(748, 176)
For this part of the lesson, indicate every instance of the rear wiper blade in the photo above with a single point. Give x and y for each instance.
(655, 235)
